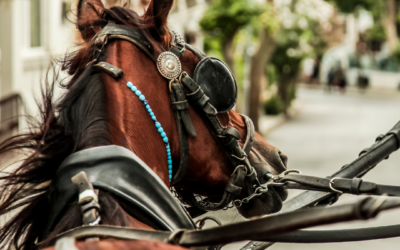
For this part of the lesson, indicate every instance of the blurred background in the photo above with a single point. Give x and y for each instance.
(319, 78)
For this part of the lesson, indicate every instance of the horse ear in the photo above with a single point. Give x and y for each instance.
(88, 14)
(157, 14)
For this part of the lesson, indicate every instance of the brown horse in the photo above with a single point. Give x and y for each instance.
(97, 110)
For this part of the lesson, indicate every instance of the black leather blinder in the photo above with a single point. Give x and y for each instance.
(217, 82)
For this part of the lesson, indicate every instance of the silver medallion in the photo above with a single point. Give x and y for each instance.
(168, 65)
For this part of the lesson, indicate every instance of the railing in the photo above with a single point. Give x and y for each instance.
(10, 111)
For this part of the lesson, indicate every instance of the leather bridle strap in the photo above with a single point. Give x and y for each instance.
(179, 105)
(259, 229)
(341, 185)
(248, 144)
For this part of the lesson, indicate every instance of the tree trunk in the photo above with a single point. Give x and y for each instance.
(389, 23)
(228, 51)
(284, 85)
(257, 69)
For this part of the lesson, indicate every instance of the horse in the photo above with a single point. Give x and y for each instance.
(97, 111)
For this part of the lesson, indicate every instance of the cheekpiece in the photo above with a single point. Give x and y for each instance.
(217, 82)
(168, 65)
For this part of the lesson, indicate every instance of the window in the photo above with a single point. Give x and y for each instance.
(191, 3)
(190, 37)
(36, 27)
(65, 11)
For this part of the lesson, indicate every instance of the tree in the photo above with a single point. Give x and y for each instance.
(269, 25)
(223, 19)
(383, 11)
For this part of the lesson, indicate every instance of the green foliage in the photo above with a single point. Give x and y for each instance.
(376, 33)
(296, 43)
(351, 6)
(224, 17)
(396, 53)
(273, 106)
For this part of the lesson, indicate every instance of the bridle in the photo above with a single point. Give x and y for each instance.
(183, 90)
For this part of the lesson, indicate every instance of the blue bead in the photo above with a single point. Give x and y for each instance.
(129, 84)
(151, 113)
(168, 146)
(163, 134)
(160, 130)
(169, 166)
(158, 125)
(168, 150)
(153, 117)
(145, 103)
(170, 171)
(165, 139)
(138, 93)
(169, 161)
(147, 107)
(170, 177)
(150, 110)
(133, 88)
(169, 153)
(142, 98)
(169, 157)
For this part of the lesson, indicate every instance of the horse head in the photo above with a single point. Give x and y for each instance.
(102, 106)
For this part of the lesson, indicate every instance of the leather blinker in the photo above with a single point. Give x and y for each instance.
(217, 82)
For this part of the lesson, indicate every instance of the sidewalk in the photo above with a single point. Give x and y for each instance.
(268, 123)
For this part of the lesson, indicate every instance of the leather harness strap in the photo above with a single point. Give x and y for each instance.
(182, 133)
(250, 134)
(351, 186)
(258, 229)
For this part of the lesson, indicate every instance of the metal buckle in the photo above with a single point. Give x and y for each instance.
(332, 188)
(240, 166)
(286, 172)
(240, 159)
(174, 80)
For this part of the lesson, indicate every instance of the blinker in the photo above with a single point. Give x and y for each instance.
(217, 82)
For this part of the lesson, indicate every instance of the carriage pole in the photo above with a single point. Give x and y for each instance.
(367, 160)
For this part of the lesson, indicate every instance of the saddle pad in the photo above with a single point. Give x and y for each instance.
(119, 171)
(217, 82)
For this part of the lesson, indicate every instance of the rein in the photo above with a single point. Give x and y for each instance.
(262, 229)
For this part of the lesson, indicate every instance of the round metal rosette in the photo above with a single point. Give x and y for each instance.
(168, 65)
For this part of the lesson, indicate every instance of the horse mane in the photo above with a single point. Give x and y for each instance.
(76, 121)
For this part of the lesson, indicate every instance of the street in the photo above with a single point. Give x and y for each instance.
(329, 131)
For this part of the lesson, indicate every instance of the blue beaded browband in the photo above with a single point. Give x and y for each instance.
(157, 124)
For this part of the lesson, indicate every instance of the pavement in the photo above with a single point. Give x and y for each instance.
(329, 131)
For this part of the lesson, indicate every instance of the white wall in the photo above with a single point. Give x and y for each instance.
(22, 68)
